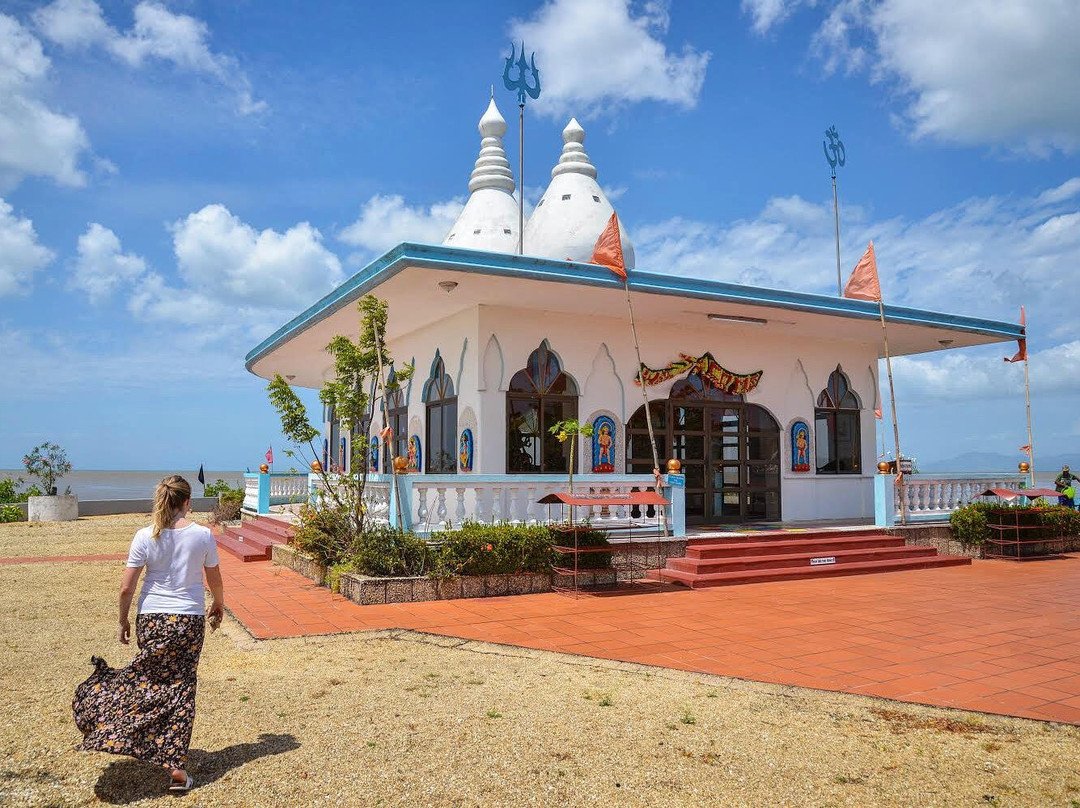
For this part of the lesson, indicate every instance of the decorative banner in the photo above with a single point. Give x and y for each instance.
(343, 457)
(415, 455)
(800, 446)
(326, 454)
(708, 368)
(373, 454)
(465, 450)
(603, 445)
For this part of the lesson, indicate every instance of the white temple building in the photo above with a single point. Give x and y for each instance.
(765, 396)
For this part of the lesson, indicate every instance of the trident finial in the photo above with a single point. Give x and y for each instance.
(521, 83)
(836, 146)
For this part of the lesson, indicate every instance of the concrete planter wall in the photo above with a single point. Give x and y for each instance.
(369, 591)
(61, 508)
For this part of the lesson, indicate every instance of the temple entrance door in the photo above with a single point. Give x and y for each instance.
(729, 450)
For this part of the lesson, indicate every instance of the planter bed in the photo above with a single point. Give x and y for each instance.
(370, 590)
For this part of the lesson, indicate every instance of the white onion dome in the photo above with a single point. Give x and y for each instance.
(489, 220)
(574, 210)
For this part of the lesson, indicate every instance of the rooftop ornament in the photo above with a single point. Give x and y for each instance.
(523, 87)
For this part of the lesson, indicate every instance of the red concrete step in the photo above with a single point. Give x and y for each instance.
(800, 573)
(800, 559)
(241, 549)
(825, 546)
(272, 528)
(761, 536)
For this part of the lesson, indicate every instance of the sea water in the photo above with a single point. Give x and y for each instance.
(96, 485)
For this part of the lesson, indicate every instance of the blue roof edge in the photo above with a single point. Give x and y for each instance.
(488, 263)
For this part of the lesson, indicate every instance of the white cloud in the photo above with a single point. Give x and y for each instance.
(386, 220)
(223, 257)
(767, 13)
(101, 266)
(157, 34)
(34, 139)
(597, 56)
(20, 253)
(980, 375)
(1001, 73)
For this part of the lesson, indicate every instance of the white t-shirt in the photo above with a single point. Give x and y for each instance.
(174, 564)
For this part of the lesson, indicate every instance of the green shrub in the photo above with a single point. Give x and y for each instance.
(971, 524)
(9, 491)
(10, 513)
(483, 549)
(385, 550)
(222, 489)
(587, 537)
(325, 534)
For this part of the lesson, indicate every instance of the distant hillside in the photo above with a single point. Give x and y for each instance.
(991, 462)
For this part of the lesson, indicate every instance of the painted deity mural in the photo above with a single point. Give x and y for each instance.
(416, 460)
(800, 446)
(373, 454)
(465, 450)
(603, 445)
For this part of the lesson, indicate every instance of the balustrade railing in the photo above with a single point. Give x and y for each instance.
(930, 497)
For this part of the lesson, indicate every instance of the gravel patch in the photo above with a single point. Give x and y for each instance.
(400, 718)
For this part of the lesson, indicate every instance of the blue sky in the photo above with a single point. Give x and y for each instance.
(179, 179)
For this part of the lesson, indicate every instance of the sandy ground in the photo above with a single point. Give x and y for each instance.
(405, 719)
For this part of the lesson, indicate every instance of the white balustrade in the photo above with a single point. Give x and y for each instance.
(251, 493)
(288, 488)
(928, 496)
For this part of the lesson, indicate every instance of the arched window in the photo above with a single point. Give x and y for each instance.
(540, 395)
(397, 413)
(837, 427)
(441, 420)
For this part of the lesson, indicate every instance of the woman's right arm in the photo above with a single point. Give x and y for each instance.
(217, 592)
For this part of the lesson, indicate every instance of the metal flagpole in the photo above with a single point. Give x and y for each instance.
(892, 403)
(837, 158)
(522, 87)
(645, 398)
(1027, 399)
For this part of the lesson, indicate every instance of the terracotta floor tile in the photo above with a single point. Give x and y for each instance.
(994, 637)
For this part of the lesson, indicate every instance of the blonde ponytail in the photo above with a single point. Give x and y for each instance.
(169, 496)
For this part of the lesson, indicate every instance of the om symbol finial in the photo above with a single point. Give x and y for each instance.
(836, 146)
(521, 83)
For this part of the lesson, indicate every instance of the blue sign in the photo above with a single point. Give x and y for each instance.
(675, 480)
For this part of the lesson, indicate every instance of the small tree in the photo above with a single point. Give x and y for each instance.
(48, 462)
(569, 430)
(357, 369)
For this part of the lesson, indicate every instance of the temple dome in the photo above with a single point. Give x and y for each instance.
(489, 220)
(574, 210)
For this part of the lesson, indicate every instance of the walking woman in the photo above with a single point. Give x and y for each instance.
(147, 709)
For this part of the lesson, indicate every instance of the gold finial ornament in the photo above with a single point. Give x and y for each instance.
(263, 469)
(674, 466)
(316, 466)
(401, 464)
(1024, 467)
(883, 467)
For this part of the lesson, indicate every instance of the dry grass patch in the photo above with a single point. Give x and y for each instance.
(408, 719)
(87, 535)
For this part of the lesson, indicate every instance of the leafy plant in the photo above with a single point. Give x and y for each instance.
(570, 429)
(482, 549)
(587, 537)
(49, 463)
(9, 491)
(220, 488)
(10, 513)
(971, 524)
(334, 527)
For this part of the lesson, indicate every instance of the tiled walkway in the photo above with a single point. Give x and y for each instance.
(996, 637)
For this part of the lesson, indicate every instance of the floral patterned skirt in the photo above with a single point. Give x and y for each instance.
(147, 709)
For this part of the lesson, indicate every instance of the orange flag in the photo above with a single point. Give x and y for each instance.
(608, 249)
(863, 283)
(1021, 355)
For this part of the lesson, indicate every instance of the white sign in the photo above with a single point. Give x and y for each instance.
(816, 562)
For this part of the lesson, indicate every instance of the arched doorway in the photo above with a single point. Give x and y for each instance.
(729, 450)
